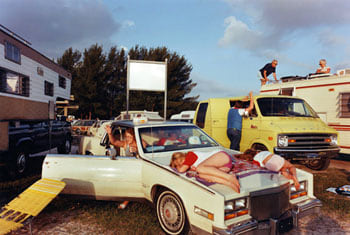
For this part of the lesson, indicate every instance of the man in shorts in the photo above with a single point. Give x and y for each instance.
(267, 70)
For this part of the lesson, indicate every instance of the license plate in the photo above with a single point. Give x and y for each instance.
(312, 155)
(284, 225)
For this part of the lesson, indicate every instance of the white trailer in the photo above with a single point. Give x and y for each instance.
(329, 96)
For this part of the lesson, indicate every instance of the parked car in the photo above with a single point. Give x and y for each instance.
(90, 144)
(268, 202)
(26, 137)
(81, 127)
(184, 116)
(97, 124)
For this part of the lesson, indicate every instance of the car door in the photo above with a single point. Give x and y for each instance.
(99, 177)
(250, 130)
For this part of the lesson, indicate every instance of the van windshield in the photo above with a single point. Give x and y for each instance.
(285, 107)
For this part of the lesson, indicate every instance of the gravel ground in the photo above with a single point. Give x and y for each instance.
(67, 223)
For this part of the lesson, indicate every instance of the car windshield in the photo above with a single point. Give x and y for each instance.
(285, 107)
(174, 138)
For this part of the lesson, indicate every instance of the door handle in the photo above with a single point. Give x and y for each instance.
(253, 126)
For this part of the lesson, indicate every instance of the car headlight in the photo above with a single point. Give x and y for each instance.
(235, 208)
(282, 141)
(302, 191)
(334, 140)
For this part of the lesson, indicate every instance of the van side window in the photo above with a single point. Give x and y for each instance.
(202, 111)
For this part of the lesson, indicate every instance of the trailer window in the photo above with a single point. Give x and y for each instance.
(344, 105)
(62, 82)
(48, 88)
(12, 53)
(14, 83)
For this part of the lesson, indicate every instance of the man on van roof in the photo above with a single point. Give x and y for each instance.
(267, 70)
(234, 121)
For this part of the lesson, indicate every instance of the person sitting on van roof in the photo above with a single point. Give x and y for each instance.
(234, 121)
(323, 67)
(267, 70)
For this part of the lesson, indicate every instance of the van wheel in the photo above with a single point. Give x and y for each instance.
(260, 147)
(171, 213)
(319, 164)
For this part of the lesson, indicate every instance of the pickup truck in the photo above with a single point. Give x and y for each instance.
(25, 137)
(268, 203)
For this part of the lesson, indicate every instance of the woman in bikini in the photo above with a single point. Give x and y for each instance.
(212, 167)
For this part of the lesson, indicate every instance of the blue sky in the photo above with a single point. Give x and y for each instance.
(225, 41)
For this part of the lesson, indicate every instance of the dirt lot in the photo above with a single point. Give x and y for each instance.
(67, 223)
(70, 221)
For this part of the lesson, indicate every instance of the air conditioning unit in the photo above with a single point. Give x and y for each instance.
(343, 72)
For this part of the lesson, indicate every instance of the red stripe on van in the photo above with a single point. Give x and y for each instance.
(322, 85)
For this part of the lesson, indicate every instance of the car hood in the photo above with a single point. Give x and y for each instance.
(250, 181)
(300, 124)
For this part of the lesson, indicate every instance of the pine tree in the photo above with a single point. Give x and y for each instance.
(99, 81)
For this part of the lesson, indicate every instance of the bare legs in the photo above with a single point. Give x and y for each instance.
(213, 169)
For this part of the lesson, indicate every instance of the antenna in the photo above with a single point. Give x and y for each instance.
(15, 35)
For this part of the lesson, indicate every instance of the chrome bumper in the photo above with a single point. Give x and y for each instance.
(274, 226)
(307, 154)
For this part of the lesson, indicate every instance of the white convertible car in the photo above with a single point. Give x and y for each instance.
(267, 204)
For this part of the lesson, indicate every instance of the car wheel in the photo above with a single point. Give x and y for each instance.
(319, 164)
(65, 147)
(78, 131)
(19, 164)
(171, 213)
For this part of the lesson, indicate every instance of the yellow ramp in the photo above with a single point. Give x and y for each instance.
(28, 204)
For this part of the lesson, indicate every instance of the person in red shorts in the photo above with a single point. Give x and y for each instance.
(212, 167)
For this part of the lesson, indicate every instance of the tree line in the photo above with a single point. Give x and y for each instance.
(99, 81)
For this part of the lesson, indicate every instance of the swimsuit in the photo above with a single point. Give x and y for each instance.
(196, 157)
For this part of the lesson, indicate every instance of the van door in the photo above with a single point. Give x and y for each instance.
(200, 118)
(250, 130)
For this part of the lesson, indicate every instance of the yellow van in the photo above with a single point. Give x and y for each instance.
(284, 125)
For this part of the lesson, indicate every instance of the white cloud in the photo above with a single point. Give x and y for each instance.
(270, 27)
(287, 16)
(128, 23)
(238, 33)
(54, 26)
